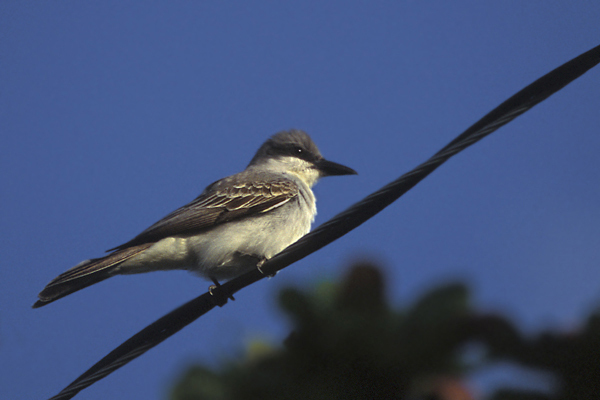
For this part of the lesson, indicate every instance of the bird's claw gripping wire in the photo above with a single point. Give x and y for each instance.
(219, 297)
(260, 264)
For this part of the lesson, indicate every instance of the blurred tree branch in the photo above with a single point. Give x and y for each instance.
(347, 342)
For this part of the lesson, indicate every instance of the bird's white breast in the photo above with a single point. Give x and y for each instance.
(224, 251)
(229, 249)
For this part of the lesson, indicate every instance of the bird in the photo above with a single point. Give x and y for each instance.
(233, 226)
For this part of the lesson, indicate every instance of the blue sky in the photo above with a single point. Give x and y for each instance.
(115, 113)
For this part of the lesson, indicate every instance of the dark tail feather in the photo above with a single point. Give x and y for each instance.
(57, 291)
(86, 274)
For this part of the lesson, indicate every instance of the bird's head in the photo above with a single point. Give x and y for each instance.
(294, 152)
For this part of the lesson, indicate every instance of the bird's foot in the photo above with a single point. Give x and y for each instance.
(260, 264)
(219, 297)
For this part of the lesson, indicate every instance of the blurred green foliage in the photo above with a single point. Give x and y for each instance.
(348, 343)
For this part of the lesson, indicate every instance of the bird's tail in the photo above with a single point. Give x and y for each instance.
(85, 274)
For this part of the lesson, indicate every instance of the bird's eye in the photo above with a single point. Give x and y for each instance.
(298, 150)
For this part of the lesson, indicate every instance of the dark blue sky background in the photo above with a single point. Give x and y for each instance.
(114, 113)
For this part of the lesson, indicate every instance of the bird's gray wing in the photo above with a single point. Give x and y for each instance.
(223, 201)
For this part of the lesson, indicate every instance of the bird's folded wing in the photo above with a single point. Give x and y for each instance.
(222, 201)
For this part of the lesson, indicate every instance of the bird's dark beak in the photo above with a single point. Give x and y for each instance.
(329, 168)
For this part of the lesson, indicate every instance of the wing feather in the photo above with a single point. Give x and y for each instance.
(223, 201)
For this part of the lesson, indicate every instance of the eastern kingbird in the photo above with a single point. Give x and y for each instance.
(237, 223)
